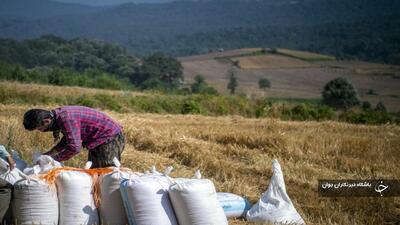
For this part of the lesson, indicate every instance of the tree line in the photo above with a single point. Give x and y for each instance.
(84, 62)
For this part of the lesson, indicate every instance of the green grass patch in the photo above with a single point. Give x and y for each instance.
(209, 105)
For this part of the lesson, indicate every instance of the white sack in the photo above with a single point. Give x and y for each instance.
(35, 202)
(76, 199)
(234, 205)
(5, 198)
(7, 176)
(112, 210)
(44, 163)
(195, 202)
(147, 202)
(275, 205)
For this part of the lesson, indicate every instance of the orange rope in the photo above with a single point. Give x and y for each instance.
(51, 177)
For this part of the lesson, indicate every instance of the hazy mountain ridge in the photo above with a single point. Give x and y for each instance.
(144, 28)
(111, 2)
(39, 9)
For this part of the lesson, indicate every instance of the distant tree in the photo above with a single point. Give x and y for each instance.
(158, 66)
(371, 92)
(380, 107)
(18, 74)
(273, 50)
(264, 83)
(263, 50)
(339, 93)
(200, 86)
(233, 83)
(366, 105)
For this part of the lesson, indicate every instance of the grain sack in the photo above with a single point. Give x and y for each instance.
(5, 198)
(147, 202)
(112, 210)
(195, 202)
(35, 202)
(7, 176)
(75, 194)
(234, 206)
(275, 205)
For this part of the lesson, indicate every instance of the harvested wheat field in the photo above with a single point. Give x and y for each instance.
(236, 153)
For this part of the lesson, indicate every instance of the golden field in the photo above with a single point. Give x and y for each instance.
(236, 153)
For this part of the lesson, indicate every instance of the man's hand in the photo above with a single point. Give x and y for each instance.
(11, 162)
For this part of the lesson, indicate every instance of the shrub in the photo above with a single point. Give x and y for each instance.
(339, 93)
(304, 112)
(365, 105)
(262, 108)
(191, 107)
(371, 92)
(85, 100)
(380, 107)
(366, 117)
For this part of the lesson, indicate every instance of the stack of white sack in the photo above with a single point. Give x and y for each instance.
(111, 208)
(275, 206)
(146, 200)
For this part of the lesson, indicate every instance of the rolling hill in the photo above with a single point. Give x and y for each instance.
(294, 75)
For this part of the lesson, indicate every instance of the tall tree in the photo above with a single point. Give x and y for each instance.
(199, 84)
(264, 83)
(233, 83)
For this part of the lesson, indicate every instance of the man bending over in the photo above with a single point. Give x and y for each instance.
(81, 127)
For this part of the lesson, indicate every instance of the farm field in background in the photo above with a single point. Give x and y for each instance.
(309, 56)
(270, 62)
(294, 74)
(236, 153)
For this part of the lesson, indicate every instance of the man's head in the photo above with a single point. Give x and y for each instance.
(38, 119)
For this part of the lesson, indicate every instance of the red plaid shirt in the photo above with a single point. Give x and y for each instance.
(81, 126)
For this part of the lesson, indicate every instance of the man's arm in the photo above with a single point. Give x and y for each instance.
(5, 155)
(70, 144)
(11, 162)
(57, 148)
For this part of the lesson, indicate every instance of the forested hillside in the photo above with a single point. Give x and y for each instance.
(76, 54)
(83, 62)
(338, 27)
